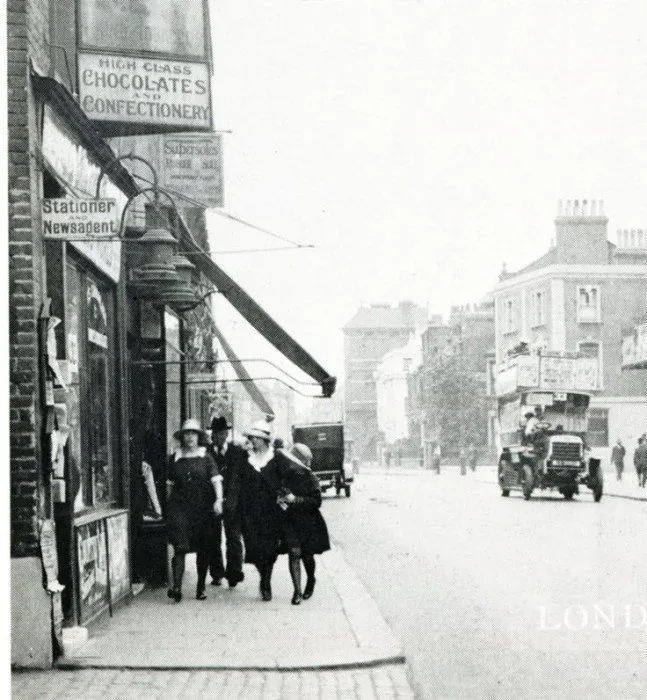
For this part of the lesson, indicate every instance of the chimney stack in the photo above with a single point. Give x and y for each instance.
(581, 232)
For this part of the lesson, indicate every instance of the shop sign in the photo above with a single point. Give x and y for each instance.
(128, 89)
(66, 218)
(72, 164)
(189, 165)
(174, 27)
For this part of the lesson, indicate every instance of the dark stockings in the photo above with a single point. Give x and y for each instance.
(178, 569)
(309, 566)
(294, 562)
(265, 571)
(202, 562)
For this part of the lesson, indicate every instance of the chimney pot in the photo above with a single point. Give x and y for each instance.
(593, 207)
(560, 207)
(584, 207)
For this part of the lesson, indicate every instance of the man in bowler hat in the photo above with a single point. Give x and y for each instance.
(230, 458)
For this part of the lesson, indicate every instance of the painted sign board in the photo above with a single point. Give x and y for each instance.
(187, 164)
(175, 27)
(72, 164)
(66, 218)
(548, 373)
(134, 90)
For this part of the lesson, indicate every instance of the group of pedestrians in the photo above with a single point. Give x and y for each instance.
(640, 459)
(266, 499)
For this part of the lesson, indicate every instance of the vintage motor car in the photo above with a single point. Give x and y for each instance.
(326, 441)
(555, 455)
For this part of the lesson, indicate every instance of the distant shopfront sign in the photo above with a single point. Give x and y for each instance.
(127, 89)
(66, 218)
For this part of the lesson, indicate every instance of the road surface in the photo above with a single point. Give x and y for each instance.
(498, 597)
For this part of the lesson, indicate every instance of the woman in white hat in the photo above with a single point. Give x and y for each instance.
(196, 494)
(260, 513)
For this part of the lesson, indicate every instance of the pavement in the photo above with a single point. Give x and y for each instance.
(336, 644)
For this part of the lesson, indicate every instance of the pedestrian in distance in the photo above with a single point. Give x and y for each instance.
(618, 458)
(462, 460)
(304, 531)
(195, 493)
(437, 458)
(230, 459)
(640, 462)
(260, 513)
(472, 456)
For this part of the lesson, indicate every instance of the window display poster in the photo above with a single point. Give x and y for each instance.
(118, 554)
(159, 26)
(93, 569)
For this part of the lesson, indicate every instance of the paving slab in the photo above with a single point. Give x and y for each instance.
(339, 627)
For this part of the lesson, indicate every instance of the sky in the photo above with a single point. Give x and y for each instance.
(417, 145)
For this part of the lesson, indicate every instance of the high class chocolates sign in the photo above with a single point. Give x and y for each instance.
(144, 90)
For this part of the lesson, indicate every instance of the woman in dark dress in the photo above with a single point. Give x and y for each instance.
(304, 531)
(196, 493)
(260, 514)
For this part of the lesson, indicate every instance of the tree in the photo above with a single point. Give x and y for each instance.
(457, 404)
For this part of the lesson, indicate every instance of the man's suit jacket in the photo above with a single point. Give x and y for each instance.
(229, 466)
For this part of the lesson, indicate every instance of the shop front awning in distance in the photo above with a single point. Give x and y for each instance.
(259, 318)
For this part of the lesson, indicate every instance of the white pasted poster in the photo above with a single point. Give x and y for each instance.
(118, 554)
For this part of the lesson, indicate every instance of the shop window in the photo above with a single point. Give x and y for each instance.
(90, 350)
(597, 433)
(588, 304)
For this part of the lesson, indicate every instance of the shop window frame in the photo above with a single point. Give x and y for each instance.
(106, 286)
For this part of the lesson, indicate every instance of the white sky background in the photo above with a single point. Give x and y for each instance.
(417, 145)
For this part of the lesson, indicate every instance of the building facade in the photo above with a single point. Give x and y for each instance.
(111, 345)
(579, 297)
(368, 336)
(392, 394)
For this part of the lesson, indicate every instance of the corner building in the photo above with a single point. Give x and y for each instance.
(579, 297)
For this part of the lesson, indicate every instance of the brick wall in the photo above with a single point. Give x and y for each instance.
(26, 34)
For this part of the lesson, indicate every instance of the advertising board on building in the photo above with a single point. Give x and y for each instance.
(121, 88)
(175, 27)
(71, 163)
(118, 553)
(66, 218)
(145, 62)
(187, 164)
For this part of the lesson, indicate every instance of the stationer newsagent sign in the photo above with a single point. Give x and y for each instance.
(129, 89)
(66, 218)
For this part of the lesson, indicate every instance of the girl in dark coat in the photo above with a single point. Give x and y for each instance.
(304, 531)
(196, 493)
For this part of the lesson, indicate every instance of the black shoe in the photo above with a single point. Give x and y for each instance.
(174, 594)
(216, 581)
(296, 598)
(266, 594)
(309, 589)
(200, 594)
(234, 579)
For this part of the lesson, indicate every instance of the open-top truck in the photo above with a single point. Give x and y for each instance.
(555, 388)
